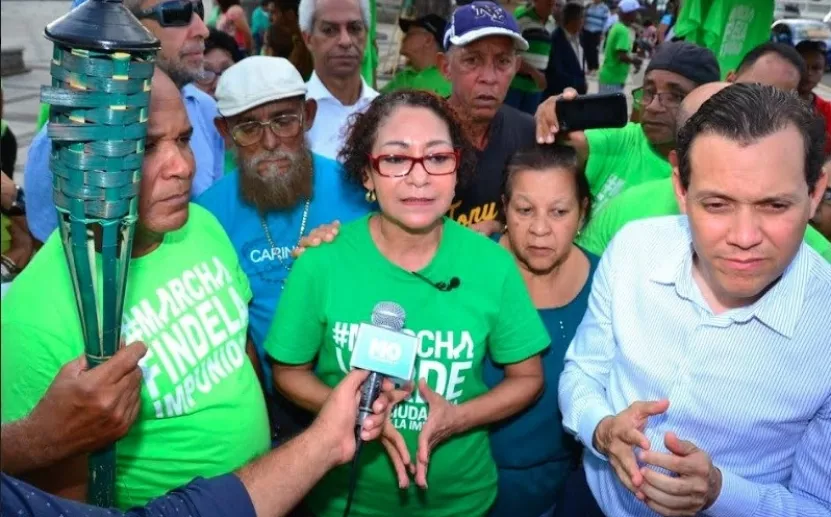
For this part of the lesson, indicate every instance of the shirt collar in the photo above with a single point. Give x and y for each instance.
(316, 90)
(779, 308)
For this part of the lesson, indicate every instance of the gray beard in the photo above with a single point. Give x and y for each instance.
(180, 75)
(276, 190)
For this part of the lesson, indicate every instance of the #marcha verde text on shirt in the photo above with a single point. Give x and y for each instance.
(194, 341)
(433, 346)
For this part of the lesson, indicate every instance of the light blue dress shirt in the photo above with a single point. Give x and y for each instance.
(206, 144)
(750, 386)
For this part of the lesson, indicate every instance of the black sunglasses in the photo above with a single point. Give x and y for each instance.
(174, 13)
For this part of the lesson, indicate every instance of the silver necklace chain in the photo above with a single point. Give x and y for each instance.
(270, 240)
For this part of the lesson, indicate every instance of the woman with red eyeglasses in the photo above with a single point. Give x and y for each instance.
(463, 299)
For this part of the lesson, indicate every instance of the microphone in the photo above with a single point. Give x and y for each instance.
(444, 287)
(385, 351)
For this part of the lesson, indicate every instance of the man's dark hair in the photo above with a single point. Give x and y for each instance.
(745, 113)
(786, 52)
(808, 47)
(544, 158)
(218, 39)
(288, 6)
(572, 11)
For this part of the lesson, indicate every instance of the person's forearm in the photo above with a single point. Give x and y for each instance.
(583, 404)
(23, 448)
(506, 399)
(742, 498)
(301, 387)
(278, 481)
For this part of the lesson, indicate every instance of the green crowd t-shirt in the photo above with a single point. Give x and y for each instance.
(730, 28)
(333, 288)
(429, 79)
(202, 407)
(613, 70)
(654, 199)
(620, 158)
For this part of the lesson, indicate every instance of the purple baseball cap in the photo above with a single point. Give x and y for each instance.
(481, 19)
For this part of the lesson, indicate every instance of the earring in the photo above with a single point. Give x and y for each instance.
(370, 196)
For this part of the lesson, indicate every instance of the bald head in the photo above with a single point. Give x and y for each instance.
(164, 93)
(696, 98)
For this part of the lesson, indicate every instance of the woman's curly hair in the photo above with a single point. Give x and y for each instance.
(363, 131)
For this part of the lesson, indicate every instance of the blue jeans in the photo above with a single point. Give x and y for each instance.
(523, 101)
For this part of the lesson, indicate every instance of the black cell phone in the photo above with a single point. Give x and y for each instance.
(593, 112)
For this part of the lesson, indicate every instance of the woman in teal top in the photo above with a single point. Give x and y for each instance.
(547, 200)
(463, 297)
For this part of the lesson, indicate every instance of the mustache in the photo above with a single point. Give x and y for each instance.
(252, 163)
(193, 48)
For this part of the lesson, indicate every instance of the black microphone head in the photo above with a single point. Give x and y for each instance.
(388, 315)
(455, 282)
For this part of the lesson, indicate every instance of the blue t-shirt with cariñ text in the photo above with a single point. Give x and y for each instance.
(334, 197)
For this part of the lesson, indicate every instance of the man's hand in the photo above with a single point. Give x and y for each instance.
(335, 422)
(441, 424)
(546, 116)
(321, 234)
(696, 487)
(86, 409)
(616, 436)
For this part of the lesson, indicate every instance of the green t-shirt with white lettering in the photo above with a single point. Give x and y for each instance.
(654, 199)
(620, 158)
(333, 288)
(613, 70)
(202, 407)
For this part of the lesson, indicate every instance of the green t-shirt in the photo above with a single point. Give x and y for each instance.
(620, 158)
(654, 199)
(202, 411)
(333, 288)
(429, 79)
(539, 46)
(613, 70)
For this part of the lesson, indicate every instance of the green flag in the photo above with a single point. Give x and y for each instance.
(370, 62)
(730, 28)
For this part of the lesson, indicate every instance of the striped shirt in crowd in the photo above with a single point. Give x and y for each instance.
(596, 16)
(750, 386)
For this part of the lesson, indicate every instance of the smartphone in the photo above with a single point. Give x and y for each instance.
(593, 112)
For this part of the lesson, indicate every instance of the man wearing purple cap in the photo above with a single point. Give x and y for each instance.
(482, 46)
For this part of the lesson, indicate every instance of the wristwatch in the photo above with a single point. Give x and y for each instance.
(18, 206)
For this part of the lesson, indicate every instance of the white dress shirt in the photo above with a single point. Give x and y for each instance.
(750, 386)
(329, 129)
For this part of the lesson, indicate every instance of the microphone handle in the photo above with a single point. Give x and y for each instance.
(369, 393)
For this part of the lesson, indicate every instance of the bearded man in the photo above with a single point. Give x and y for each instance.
(281, 190)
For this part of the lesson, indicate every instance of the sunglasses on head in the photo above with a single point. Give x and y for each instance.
(174, 13)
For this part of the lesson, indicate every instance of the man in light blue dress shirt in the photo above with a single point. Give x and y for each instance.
(699, 379)
(181, 57)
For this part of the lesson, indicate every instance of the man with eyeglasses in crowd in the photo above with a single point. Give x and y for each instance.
(771, 64)
(619, 158)
(179, 26)
(280, 191)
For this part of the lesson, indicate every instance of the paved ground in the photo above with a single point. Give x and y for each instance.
(22, 23)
